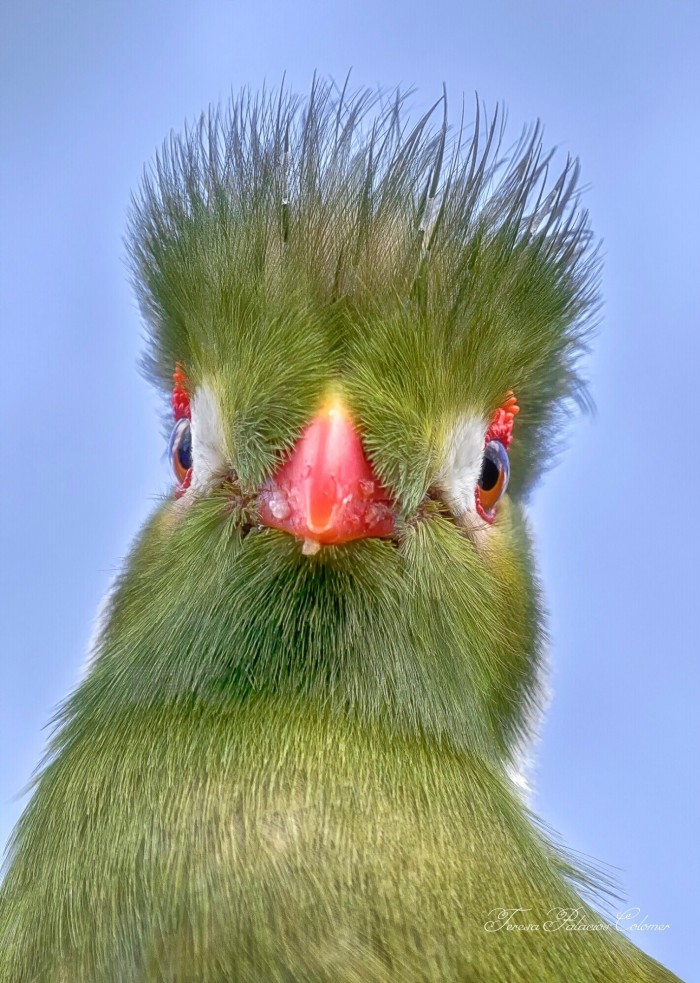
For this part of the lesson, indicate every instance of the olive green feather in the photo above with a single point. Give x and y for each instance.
(284, 767)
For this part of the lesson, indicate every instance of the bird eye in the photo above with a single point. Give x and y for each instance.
(493, 480)
(180, 450)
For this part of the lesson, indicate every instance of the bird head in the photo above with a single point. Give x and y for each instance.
(365, 331)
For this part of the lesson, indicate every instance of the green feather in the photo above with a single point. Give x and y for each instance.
(286, 767)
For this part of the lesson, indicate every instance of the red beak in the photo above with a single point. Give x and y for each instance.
(326, 490)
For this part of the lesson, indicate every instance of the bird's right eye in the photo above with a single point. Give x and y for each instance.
(180, 451)
(493, 480)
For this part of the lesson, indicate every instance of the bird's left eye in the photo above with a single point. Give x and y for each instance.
(493, 480)
(180, 450)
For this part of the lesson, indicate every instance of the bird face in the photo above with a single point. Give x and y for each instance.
(325, 490)
(289, 558)
(348, 340)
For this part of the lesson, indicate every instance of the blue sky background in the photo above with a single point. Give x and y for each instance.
(90, 89)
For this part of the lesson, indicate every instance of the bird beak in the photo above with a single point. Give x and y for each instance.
(326, 490)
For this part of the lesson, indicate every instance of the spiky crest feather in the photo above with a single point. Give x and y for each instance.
(377, 240)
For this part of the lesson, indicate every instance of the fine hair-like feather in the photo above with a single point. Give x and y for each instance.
(283, 766)
(409, 239)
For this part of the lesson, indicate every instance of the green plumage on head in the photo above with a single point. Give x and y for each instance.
(293, 764)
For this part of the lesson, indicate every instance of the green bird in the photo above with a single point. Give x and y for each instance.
(296, 753)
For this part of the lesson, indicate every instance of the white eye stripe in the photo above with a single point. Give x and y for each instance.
(208, 455)
(464, 452)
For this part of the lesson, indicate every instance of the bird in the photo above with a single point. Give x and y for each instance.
(298, 752)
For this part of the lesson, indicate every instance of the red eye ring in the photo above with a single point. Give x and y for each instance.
(495, 468)
(180, 446)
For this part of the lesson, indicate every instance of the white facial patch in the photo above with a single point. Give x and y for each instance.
(464, 453)
(208, 454)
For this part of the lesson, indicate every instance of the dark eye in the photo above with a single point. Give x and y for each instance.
(493, 480)
(180, 450)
